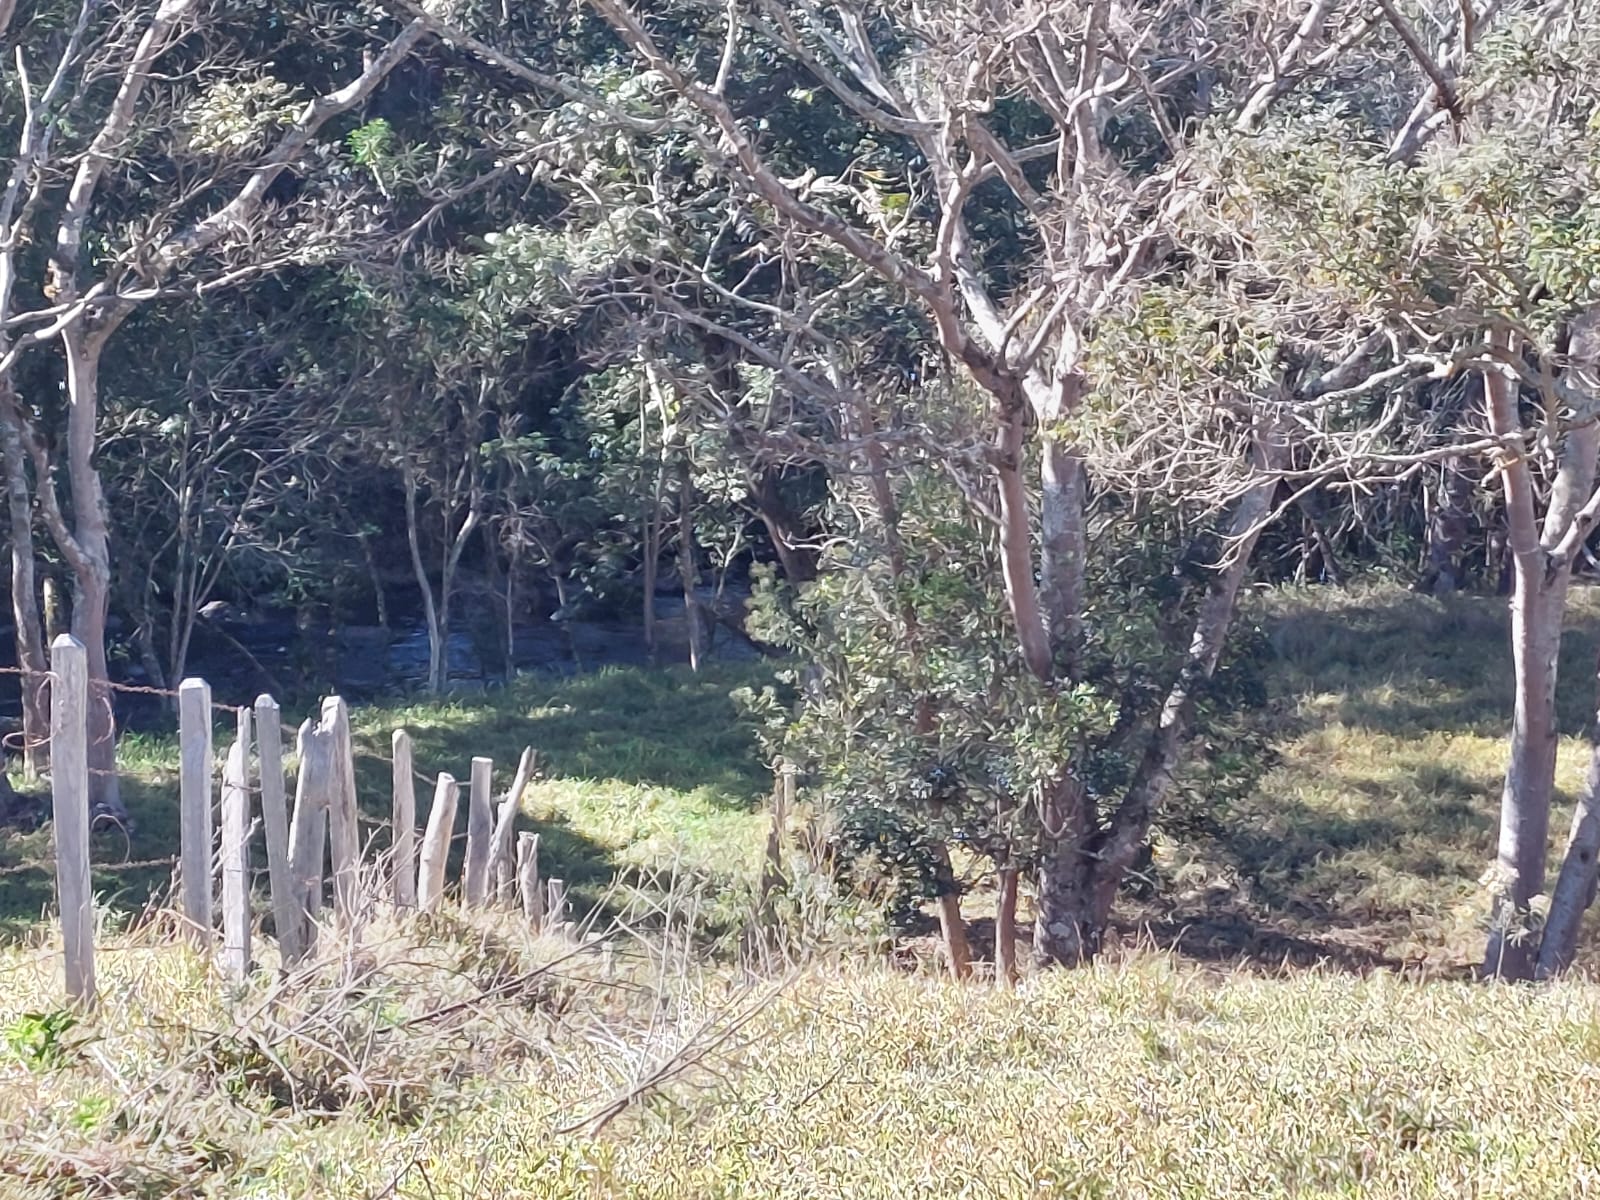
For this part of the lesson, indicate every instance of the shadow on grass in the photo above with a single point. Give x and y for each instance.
(1400, 663)
(1364, 842)
(27, 864)
(667, 728)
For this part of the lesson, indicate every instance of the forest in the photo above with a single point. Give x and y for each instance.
(1123, 471)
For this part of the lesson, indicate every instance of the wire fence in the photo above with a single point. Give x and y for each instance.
(321, 843)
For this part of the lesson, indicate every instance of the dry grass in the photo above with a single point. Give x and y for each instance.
(413, 1076)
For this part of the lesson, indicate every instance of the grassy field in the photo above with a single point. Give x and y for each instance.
(458, 1057)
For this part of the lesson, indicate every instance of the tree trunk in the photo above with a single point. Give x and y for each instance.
(1067, 931)
(380, 597)
(91, 563)
(952, 927)
(1084, 863)
(688, 570)
(25, 594)
(1538, 603)
(430, 611)
(1536, 612)
(1016, 549)
(1580, 869)
(799, 563)
(1063, 549)
(1005, 928)
(652, 561)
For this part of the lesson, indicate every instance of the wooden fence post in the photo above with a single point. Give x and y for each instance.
(528, 878)
(236, 854)
(194, 790)
(500, 852)
(308, 839)
(555, 913)
(436, 843)
(344, 836)
(403, 828)
(69, 795)
(275, 823)
(479, 833)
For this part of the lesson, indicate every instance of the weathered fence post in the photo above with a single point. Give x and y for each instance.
(501, 847)
(528, 878)
(479, 833)
(275, 824)
(69, 795)
(308, 840)
(194, 797)
(236, 854)
(436, 843)
(344, 835)
(555, 913)
(403, 830)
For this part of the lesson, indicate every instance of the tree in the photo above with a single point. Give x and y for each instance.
(1476, 259)
(221, 145)
(1087, 197)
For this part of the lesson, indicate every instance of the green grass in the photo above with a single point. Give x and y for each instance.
(1365, 841)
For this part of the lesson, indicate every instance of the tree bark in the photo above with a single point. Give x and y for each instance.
(430, 611)
(652, 561)
(25, 593)
(1005, 928)
(91, 564)
(1067, 929)
(688, 569)
(1448, 523)
(1016, 549)
(1063, 537)
(799, 563)
(1083, 865)
(952, 926)
(1574, 892)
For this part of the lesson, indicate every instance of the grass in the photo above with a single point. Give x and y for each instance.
(1141, 1078)
(462, 1057)
(1365, 841)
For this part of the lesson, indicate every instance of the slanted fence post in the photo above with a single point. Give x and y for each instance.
(69, 794)
(236, 854)
(275, 823)
(528, 878)
(308, 840)
(479, 833)
(436, 843)
(403, 830)
(196, 834)
(501, 848)
(344, 836)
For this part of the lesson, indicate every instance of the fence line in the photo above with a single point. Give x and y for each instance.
(312, 847)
